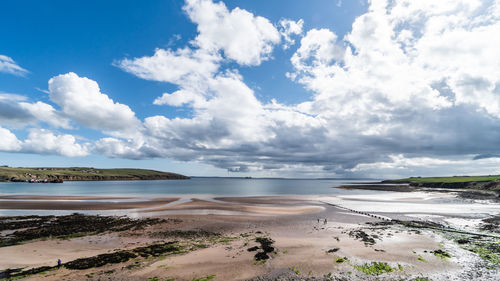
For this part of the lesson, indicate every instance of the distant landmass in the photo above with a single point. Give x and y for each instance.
(45, 174)
(490, 182)
(471, 187)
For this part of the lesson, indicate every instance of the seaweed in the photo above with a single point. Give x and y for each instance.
(18, 272)
(186, 234)
(253, 249)
(363, 236)
(65, 227)
(375, 268)
(206, 278)
(154, 250)
(341, 260)
(442, 254)
(333, 250)
(265, 246)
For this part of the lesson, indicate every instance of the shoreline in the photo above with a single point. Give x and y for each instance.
(78, 203)
(418, 201)
(469, 193)
(315, 240)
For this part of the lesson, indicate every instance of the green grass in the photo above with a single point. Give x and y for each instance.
(375, 268)
(447, 179)
(340, 260)
(486, 251)
(207, 278)
(223, 239)
(488, 248)
(420, 258)
(295, 270)
(7, 173)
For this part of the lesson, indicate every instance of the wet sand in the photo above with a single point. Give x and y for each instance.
(78, 203)
(51, 197)
(304, 229)
(274, 208)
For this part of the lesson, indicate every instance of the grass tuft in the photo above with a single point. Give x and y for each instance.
(374, 268)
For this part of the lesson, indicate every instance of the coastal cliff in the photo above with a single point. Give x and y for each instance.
(82, 174)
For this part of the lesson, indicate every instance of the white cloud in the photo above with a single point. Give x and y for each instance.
(81, 100)
(45, 142)
(113, 147)
(414, 84)
(318, 52)
(172, 66)
(243, 37)
(8, 65)
(288, 28)
(42, 90)
(9, 141)
(223, 35)
(11, 97)
(46, 113)
(16, 111)
(401, 166)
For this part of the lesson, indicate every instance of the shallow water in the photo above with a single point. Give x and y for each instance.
(194, 186)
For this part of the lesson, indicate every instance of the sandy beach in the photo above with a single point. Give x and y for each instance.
(79, 203)
(312, 237)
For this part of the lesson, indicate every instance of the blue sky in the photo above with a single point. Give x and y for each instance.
(86, 37)
(280, 88)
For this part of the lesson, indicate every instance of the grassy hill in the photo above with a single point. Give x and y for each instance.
(491, 183)
(83, 174)
(447, 179)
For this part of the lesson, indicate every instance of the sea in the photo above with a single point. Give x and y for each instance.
(194, 186)
(210, 188)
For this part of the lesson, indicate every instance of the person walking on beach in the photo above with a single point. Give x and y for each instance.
(324, 222)
(58, 263)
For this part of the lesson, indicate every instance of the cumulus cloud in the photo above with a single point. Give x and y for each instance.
(289, 28)
(243, 37)
(46, 142)
(80, 99)
(414, 84)
(401, 166)
(319, 53)
(172, 66)
(46, 113)
(113, 147)
(409, 74)
(9, 141)
(43, 141)
(16, 111)
(235, 35)
(8, 65)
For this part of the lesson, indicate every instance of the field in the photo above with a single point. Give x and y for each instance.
(79, 173)
(453, 179)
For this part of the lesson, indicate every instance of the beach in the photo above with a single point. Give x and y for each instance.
(313, 236)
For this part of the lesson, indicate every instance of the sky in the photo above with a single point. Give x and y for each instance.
(326, 88)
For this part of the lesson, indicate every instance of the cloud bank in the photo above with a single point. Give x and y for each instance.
(409, 80)
(412, 89)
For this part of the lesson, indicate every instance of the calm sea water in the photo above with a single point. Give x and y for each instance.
(205, 186)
